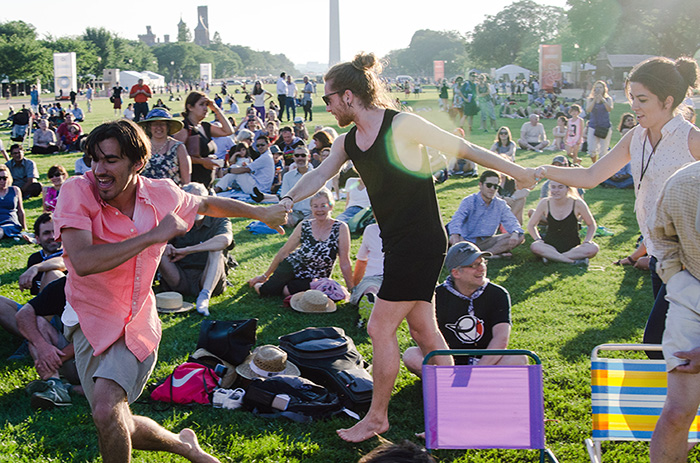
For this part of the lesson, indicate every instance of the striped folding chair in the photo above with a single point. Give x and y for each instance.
(627, 397)
(484, 407)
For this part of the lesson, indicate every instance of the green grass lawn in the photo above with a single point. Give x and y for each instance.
(559, 311)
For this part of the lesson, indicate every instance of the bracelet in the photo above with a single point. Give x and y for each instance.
(538, 239)
(629, 258)
(288, 197)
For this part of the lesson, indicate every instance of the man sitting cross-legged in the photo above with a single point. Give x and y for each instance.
(52, 353)
(532, 135)
(481, 214)
(195, 264)
(472, 312)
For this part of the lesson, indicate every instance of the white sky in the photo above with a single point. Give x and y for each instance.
(297, 28)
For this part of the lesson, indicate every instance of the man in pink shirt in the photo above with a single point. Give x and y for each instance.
(114, 225)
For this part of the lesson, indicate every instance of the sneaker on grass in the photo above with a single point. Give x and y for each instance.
(56, 395)
(38, 385)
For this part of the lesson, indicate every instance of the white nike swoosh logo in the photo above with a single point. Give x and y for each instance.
(180, 382)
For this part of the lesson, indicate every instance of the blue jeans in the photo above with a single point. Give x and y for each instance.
(348, 213)
(291, 103)
(654, 330)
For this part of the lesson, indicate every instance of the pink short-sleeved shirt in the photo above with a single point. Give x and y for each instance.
(120, 301)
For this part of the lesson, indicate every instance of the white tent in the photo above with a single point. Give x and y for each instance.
(512, 71)
(129, 78)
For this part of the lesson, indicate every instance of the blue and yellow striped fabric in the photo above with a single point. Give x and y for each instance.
(627, 397)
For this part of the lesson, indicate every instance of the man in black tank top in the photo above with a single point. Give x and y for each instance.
(386, 149)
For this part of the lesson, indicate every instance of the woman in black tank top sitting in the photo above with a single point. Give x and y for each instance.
(563, 209)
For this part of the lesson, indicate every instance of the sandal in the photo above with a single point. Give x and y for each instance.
(625, 261)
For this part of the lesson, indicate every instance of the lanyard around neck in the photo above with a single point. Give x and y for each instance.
(645, 167)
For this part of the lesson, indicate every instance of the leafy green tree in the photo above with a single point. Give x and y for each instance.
(427, 46)
(22, 56)
(103, 41)
(183, 32)
(506, 37)
(134, 55)
(666, 28)
(19, 29)
(227, 62)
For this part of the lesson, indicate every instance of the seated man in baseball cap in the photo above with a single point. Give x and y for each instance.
(472, 312)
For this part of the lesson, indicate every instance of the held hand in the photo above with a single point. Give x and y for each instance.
(526, 180)
(274, 216)
(693, 357)
(169, 227)
(541, 172)
(287, 203)
(25, 280)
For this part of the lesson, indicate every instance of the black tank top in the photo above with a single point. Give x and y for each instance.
(562, 234)
(403, 201)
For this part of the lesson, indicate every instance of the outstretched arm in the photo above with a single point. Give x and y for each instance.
(274, 216)
(588, 178)
(426, 133)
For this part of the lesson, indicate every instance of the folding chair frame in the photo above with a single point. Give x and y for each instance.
(593, 444)
(544, 451)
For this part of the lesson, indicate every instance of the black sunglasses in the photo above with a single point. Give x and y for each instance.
(261, 145)
(326, 98)
(494, 186)
(299, 155)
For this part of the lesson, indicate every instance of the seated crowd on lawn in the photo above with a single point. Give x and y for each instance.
(260, 159)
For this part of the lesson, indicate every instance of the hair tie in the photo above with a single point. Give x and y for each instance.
(358, 67)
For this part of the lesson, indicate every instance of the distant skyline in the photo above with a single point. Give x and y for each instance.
(297, 29)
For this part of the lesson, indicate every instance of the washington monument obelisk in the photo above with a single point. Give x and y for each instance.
(334, 43)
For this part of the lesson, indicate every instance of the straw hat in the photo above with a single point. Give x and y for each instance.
(160, 114)
(312, 301)
(171, 302)
(211, 360)
(265, 362)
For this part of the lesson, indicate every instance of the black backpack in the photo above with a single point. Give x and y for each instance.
(328, 357)
(293, 397)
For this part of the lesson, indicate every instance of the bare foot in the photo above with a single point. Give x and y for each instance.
(363, 430)
(196, 454)
(420, 435)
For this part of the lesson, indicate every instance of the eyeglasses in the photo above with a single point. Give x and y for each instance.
(261, 145)
(3, 178)
(477, 265)
(60, 174)
(494, 186)
(503, 133)
(299, 155)
(326, 98)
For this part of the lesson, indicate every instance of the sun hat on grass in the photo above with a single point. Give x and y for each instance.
(312, 301)
(171, 302)
(265, 362)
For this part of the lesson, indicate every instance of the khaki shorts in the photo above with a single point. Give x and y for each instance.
(117, 363)
(682, 331)
(490, 241)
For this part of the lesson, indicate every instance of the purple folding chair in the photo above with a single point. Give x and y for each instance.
(484, 407)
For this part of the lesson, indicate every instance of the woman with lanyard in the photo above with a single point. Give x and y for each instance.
(661, 144)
